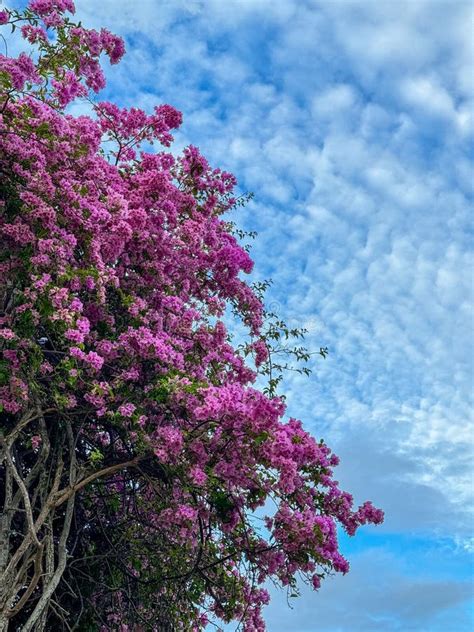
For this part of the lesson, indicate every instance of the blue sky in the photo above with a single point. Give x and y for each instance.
(352, 122)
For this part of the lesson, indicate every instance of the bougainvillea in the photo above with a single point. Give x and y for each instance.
(146, 483)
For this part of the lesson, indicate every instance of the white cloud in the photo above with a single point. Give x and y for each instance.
(387, 598)
(335, 102)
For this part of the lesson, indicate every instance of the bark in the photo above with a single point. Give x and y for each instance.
(38, 505)
(53, 583)
(5, 520)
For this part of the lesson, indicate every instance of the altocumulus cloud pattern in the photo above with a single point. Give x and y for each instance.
(351, 122)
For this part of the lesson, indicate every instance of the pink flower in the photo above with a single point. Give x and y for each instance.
(83, 325)
(113, 45)
(95, 360)
(44, 7)
(71, 402)
(33, 34)
(7, 334)
(126, 410)
(74, 336)
(261, 352)
(36, 442)
(68, 88)
(89, 283)
(53, 20)
(168, 443)
(198, 476)
(316, 582)
(77, 353)
(46, 368)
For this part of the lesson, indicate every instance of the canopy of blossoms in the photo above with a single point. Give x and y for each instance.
(146, 482)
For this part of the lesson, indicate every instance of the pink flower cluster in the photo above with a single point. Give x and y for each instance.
(46, 7)
(127, 267)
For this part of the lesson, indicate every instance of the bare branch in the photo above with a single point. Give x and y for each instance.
(26, 498)
(64, 494)
(33, 583)
(62, 558)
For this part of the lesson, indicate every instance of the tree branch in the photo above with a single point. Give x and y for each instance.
(26, 498)
(64, 494)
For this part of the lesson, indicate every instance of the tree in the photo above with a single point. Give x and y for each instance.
(146, 484)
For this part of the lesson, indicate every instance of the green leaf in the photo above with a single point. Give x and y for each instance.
(4, 372)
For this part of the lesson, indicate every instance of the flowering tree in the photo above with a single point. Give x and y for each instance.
(145, 484)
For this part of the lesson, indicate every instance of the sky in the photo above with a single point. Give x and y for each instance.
(352, 124)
